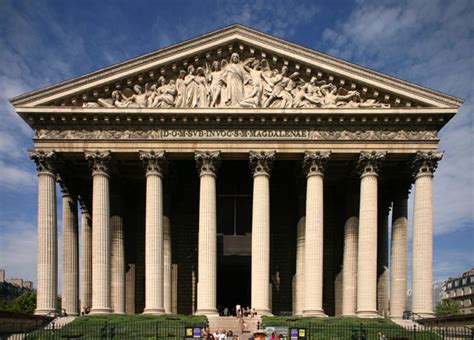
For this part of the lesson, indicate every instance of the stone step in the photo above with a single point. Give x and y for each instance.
(219, 323)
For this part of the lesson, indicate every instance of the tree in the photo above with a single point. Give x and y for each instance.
(447, 308)
(25, 303)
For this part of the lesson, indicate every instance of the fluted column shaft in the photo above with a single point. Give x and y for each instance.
(47, 283)
(154, 233)
(367, 243)
(207, 164)
(349, 269)
(86, 259)
(299, 276)
(101, 235)
(314, 163)
(70, 253)
(117, 286)
(422, 247)
(383, 273)
(260, 164)
(399, 258)
(167, 265)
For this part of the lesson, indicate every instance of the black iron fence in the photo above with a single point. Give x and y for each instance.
(122, 330)
(179, 330)
(323, 331)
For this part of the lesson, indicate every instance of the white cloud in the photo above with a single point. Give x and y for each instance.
(427, 42)
(18, 248)
(16, 178)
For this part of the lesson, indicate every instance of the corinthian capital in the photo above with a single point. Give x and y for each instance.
(45, 161)
(369, 162)
(314, 162)
(100, 162)
(425, 163)
(261, 162)
(207, 162)
(154, 162)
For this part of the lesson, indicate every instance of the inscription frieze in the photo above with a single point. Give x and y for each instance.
(237, 134)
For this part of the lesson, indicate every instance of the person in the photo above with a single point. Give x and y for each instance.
(222, 335)
(274, 336)
(254, 312)
(237, 310)
(243, 325)
(208, 335)
(226, 311)
(381, 336)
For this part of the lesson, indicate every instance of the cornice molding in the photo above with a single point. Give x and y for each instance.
(227, 35)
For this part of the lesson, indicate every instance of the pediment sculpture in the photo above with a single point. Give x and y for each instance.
(251, 83)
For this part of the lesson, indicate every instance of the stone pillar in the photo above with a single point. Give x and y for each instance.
(207, 165)
(261, 164)
(382, 261)
(299, 276)
(117, 286)
(70, 253)
(424, 165)
(47, 284)
(167, 265)
(349, 269)
(154, 165)
(100, 164)
(367, 243)
(86, 259)
(314, 166)
(399, 255)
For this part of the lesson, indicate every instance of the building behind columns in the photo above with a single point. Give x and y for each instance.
(236, 168)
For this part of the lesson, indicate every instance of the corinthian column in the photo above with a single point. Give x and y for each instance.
(100, 164)
(299, 276)
(261, 164)
(154, 165)
(349, 269)
(382, 252)
(70, 263)
(368, 167)
(167, 258)
(117, 285)
(86, 259)
(314, 165)
(399, 255)
(424, 165)
(47, 284)
(207, 165)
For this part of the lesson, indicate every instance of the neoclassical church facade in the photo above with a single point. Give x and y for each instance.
(235, 168)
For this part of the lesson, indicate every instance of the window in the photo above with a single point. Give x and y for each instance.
(450, 285)
(464, 281)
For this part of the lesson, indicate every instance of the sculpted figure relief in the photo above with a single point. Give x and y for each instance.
(251, 83)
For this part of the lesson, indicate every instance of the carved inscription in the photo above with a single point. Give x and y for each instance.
(243, 134)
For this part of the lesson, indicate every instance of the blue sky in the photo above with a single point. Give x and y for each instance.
(428, 42)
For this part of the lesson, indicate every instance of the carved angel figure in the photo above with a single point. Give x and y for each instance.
(280, 93)
(332, 97)
(254, 98)
(180, 89)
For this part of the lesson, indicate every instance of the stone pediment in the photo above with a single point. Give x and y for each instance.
(236, 68)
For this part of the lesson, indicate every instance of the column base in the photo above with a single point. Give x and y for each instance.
(96, 311)
(208, 312)
(348, 315)
(424, 315)
(368, 314)
(266, 312)
(314, 313)
(72, 314)
(156, 311)
(45, 311)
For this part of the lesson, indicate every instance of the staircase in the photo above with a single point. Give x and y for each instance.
(60, 322)
(407, 324)
(219, 323)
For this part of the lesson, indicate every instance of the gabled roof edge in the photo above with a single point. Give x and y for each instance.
(322, 57)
